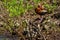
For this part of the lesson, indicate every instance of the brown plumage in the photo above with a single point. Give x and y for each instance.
(40, 9)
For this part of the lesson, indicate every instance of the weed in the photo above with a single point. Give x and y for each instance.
(51, 7)
(37, 1)
(14, 7)
(24, 24)
(18, 8)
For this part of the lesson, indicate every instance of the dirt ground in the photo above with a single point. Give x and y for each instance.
(30, 26)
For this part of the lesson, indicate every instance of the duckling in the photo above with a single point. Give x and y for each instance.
(40, 9)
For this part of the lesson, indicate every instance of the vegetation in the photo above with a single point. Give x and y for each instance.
(16, 7)
(19, 7)
(51, 7)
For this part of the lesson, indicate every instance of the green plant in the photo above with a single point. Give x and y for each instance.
(24, 24)
(37, 1)
(14, 7)
(51, 7)
(17, 7)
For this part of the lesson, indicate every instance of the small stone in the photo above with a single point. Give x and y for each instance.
(49, 20)
(17, 24)
(46, 27)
